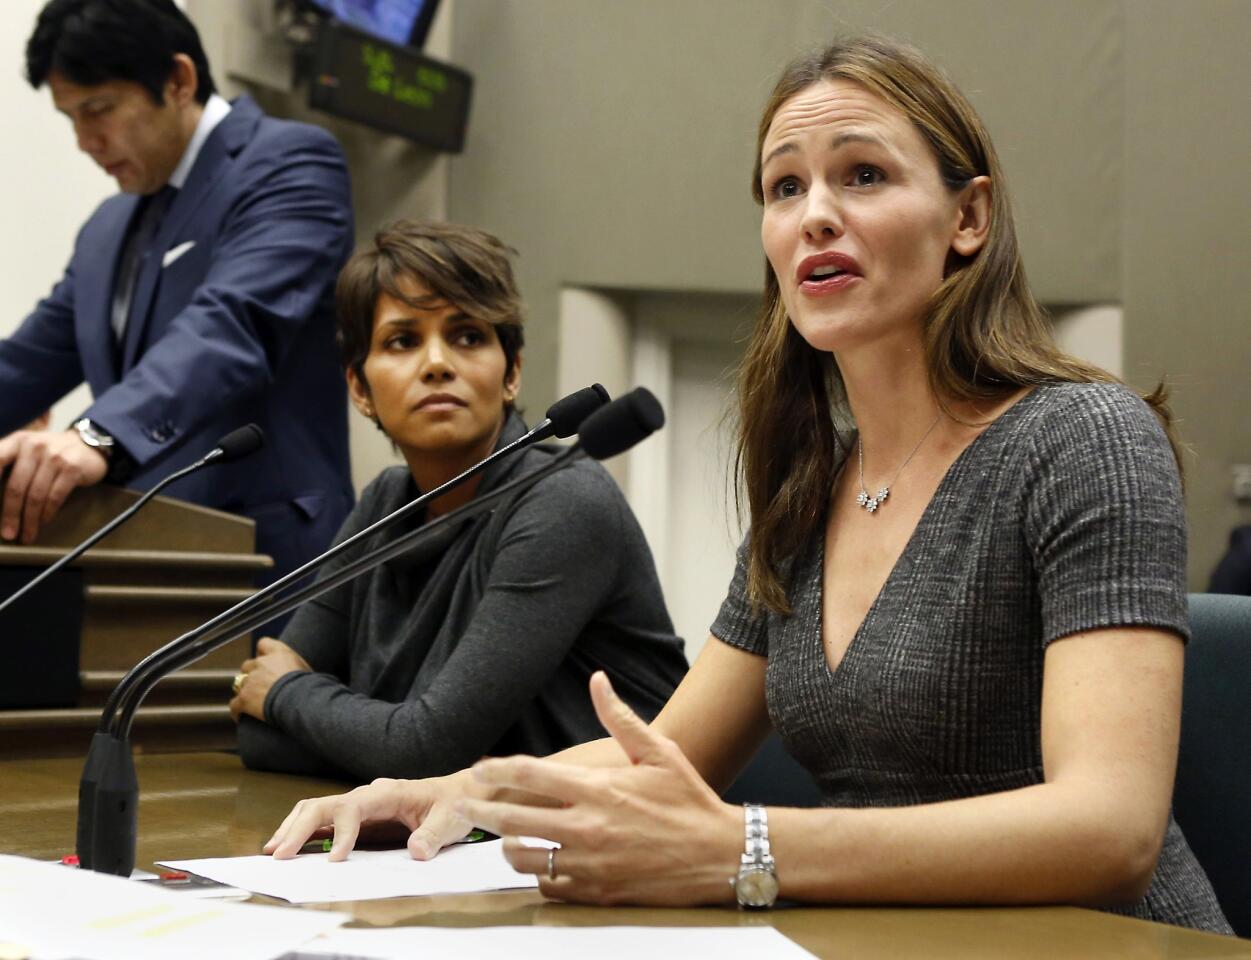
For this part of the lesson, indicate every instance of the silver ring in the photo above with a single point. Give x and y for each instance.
(551, 863)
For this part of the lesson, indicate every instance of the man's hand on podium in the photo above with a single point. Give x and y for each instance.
(43, 468)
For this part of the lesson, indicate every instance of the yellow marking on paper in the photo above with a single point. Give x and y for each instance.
(111, 923)
(175, 925)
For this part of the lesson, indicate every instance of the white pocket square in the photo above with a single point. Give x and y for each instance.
(175, 252)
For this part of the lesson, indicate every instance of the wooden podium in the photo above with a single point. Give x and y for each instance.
(171, 567)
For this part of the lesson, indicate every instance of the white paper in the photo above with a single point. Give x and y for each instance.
(366, 874)
(559, 943)
(55, 911)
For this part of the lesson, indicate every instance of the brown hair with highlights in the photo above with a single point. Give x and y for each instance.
(985, 334)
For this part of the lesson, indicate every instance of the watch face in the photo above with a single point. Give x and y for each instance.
(756, 887)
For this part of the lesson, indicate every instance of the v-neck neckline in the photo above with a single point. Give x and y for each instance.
(1011, 413)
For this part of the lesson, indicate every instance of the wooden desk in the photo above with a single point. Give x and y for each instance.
(201, 805)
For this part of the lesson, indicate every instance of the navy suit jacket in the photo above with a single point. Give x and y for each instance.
(232, 322)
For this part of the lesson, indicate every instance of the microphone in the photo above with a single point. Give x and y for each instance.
(233, 446)
(237, 444)
(109, 770)
(567, 415)
(623, 423)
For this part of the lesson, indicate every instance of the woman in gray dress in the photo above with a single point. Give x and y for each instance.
(965, 616)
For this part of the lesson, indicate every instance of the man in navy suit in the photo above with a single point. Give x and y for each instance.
(198, 299)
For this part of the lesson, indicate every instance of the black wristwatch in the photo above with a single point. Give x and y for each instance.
(756, 884)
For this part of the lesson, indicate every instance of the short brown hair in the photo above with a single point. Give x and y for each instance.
(463, 266)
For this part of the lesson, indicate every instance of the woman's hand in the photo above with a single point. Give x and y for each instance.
(425, 807)
(652, 832)
(274, 659)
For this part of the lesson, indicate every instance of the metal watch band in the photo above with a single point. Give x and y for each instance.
(94, 437)
(756, 830)
(755, 885)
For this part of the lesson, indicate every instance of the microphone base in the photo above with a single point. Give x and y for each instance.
(114, 814)
(100, 747)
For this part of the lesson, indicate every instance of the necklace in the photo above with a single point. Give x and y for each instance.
(872, 503)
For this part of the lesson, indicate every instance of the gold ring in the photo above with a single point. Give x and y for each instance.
(551, 863)
(238, 684)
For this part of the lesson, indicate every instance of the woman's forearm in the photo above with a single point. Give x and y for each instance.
(1049, 843)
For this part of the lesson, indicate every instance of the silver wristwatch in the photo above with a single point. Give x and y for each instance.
(756, 884)
(94, 437)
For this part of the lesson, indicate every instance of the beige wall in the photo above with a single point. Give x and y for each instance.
(612, 142)
(1188, 232)
(52, 188)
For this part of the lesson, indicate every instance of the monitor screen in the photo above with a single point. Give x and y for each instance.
(392, 88)
(402, 22)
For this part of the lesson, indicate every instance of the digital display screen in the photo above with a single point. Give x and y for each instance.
(391, 88)
(392, 20)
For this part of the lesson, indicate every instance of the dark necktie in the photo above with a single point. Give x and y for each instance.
(135, 255)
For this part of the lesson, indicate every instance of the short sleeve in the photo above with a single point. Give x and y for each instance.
(1103, 516)
(736, 623)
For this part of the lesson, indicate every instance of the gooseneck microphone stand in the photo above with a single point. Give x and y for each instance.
(108, 790)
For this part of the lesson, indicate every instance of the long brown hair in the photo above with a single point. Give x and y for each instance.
(985, 334)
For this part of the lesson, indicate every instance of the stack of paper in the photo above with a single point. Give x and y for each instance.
(55, 911)
(365, 874)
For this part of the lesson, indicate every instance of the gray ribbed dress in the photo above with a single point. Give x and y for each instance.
(1064, 515)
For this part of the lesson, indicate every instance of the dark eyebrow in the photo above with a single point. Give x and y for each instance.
(849, 136)
(409, 321)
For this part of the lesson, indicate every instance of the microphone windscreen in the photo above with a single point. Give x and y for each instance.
(568, 414)
(239, 443)
(621, 424)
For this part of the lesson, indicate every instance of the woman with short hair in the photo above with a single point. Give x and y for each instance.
(482, 641)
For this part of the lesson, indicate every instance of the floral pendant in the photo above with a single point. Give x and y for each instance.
(872, 503)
